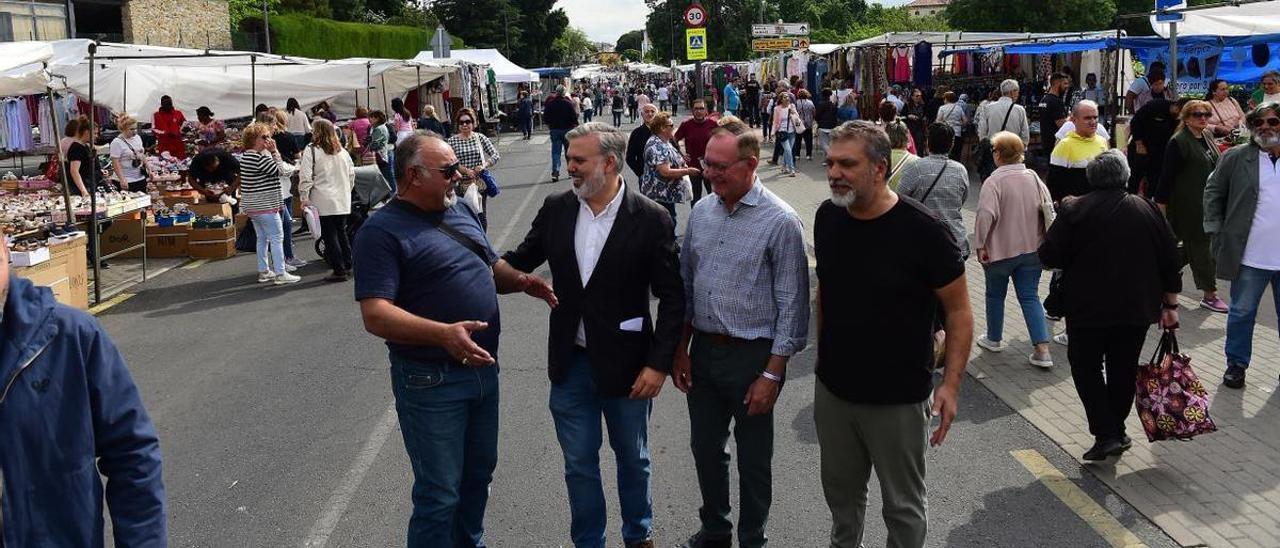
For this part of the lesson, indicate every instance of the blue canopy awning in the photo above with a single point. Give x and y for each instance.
(552, 72)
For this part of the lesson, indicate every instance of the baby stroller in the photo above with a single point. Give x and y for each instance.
(370, 192)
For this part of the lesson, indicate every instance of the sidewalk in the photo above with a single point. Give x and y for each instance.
(1222, 489)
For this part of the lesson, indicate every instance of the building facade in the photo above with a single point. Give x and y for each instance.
(926, 8)
(179, 23)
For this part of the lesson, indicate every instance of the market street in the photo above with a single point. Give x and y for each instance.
(276, 420)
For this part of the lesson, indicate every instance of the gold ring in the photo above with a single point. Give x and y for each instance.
(464, 361)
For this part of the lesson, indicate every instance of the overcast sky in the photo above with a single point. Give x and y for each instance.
(606, 20)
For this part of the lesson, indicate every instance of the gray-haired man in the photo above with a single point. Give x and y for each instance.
(1001, 115)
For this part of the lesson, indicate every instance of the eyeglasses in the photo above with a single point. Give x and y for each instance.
(465, 122)
(719, 168)
(1201, 114)
(1270, 122)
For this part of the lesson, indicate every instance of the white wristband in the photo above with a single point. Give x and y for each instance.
(766, 374)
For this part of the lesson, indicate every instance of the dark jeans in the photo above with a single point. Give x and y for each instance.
(385, 167)
(1197, 253)
(752, 112)
(526, 127)
(957, 148)
(576, 409)
(671, 208)
(559, 148)
(588, 114)
(337, 247)
(449, 418)
(1107, 399)
(617, 118)
(722, 373)
(286, 221)
(777, 147)
(699, 184)
(807, 138)
(1246, 293)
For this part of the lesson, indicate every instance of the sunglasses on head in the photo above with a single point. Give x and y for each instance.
(1271, 122)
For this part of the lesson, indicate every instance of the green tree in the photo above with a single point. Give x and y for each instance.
(314, 8)
(347, 10)
(630, 40)
(879, 20)
(632, 55)
(483, 23)
(1056, 16)
(540, 26)
(244, 9)
(728, 28)
(572, 47)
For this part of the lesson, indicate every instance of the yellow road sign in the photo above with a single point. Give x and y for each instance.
(779, 44)
(695, 44)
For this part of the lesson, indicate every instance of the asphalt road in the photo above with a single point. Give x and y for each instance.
(276, 421)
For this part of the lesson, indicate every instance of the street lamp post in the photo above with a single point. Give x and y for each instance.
(266, 25)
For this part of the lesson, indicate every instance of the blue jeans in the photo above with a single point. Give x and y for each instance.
(559, 148)
(1246, 293)
(787, 140)
(1025, 270)
(270, 234)
(576, 409)
(449, 418)
(286, 223)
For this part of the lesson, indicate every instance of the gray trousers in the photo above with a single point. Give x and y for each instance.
(721, 375)
(854, 438)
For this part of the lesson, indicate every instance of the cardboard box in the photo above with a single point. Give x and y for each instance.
(29, 258)
(121, 235)
(64, 273)
(212, 243)
(163, 242)
(240, 221)
(209, 210)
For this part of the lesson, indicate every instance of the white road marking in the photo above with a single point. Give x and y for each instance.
(341, 497)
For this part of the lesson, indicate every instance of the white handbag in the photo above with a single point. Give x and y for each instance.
(313, 220)
(472, 198)
(1047, 213)
(686, 189)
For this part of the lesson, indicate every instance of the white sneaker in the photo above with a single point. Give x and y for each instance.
(290, 268)
(296, 261)
(1061, 338)
(994, 346)
(287, 278)
(264, 277)
(1043, 361)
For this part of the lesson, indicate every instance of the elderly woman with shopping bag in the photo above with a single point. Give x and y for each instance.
(324, 185)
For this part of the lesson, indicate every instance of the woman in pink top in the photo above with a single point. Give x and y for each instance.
(1226, 114)
(360, 126)
(1007, 233)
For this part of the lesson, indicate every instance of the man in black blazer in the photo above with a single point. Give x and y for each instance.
(608, 247)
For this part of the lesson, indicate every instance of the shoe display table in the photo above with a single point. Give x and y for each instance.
(65, 271)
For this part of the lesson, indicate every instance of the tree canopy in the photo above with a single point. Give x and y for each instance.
(630, 40)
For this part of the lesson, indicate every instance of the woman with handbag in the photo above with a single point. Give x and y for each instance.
(953, 114)
(786, 125)
(899, 156)
(664, 166)
(476, 154)
(325, 183)
(128, 156)
(1188, 160)
(1120, 274)
(260, 168)
(1007, 231)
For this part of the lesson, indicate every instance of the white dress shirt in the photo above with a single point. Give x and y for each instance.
(1262, 249)
(589, 236)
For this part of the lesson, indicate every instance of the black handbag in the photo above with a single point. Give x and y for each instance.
(247, 239)
(1055, 303)
(986, 155)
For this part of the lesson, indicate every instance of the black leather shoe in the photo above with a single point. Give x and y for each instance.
(1103, 449)
(1234, 377)
(555, 176)
(646, 543)
(701, 541)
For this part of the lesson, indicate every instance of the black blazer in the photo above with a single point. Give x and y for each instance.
(639, 256)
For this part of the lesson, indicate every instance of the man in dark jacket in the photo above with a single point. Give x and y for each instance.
(1120, 274)
(639, 138)
(561, 116)
(67, 401)
(1152, 127)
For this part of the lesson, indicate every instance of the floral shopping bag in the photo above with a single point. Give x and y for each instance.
(1170, 399)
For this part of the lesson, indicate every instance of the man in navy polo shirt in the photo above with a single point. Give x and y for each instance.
(424, 281)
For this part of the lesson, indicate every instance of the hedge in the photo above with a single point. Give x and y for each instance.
(306, 36)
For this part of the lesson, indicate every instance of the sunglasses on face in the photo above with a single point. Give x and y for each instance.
(465, 122)
(1270, 122)
(448, 171)
(1201, 114)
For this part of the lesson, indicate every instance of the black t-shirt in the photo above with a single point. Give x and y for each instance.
(1052, 109)
(81, 153)
(753, 91)
(226, 171)
(878, 304)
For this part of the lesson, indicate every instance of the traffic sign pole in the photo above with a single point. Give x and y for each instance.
(695, 21)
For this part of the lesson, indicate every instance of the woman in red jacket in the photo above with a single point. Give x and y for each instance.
(167, 125)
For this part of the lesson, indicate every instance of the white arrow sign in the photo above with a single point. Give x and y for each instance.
(780, 29)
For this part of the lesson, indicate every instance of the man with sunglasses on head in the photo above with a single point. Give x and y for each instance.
(424, 280)
(742, 333)
(1242, 218)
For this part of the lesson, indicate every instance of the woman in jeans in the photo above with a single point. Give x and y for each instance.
(785, 127)
(260, 200)
(1008, 231)
(327, 178)
(287, 146)
(807, 111)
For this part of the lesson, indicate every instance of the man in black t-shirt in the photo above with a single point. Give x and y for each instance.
(893, 258)
(1053, 112)
(213, 167)
(751, 108)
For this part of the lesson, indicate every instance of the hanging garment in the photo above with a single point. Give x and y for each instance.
(18, 124)
(48, 127)
(922, 69)
(902, 64)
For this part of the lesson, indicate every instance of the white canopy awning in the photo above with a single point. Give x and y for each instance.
(1242, 20)
(22, 67)
(504, 71)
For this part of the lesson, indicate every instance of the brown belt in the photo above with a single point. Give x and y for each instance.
(716, 338)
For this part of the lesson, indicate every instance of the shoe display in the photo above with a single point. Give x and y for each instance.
(1043, 361)
(994, 346)
(1215, 304)
(1234, 377)
(286, 278)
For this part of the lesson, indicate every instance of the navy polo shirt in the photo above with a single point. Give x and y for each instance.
(400, 255)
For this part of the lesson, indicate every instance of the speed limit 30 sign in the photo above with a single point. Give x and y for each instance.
(695, 16)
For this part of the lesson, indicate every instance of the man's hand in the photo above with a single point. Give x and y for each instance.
(648, 384)
(945, 400)
(682, 371)
(457, 341)
(761, 396)
(539, 288)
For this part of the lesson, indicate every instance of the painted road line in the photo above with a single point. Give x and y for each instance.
(1090, 511)
(103, 306)
(194, 264)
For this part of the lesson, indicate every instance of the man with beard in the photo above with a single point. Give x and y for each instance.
(609, 247)
(875, 396)
(1242, 216)
(442, 335)
(746, 281)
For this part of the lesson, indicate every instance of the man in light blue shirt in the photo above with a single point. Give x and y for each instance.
(731, 102)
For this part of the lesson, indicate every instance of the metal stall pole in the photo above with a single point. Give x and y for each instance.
(418, 90)
(368, 84)
(385, 106)
(93, 192)
(253, 85)
(1173, 56)
(62, 161)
